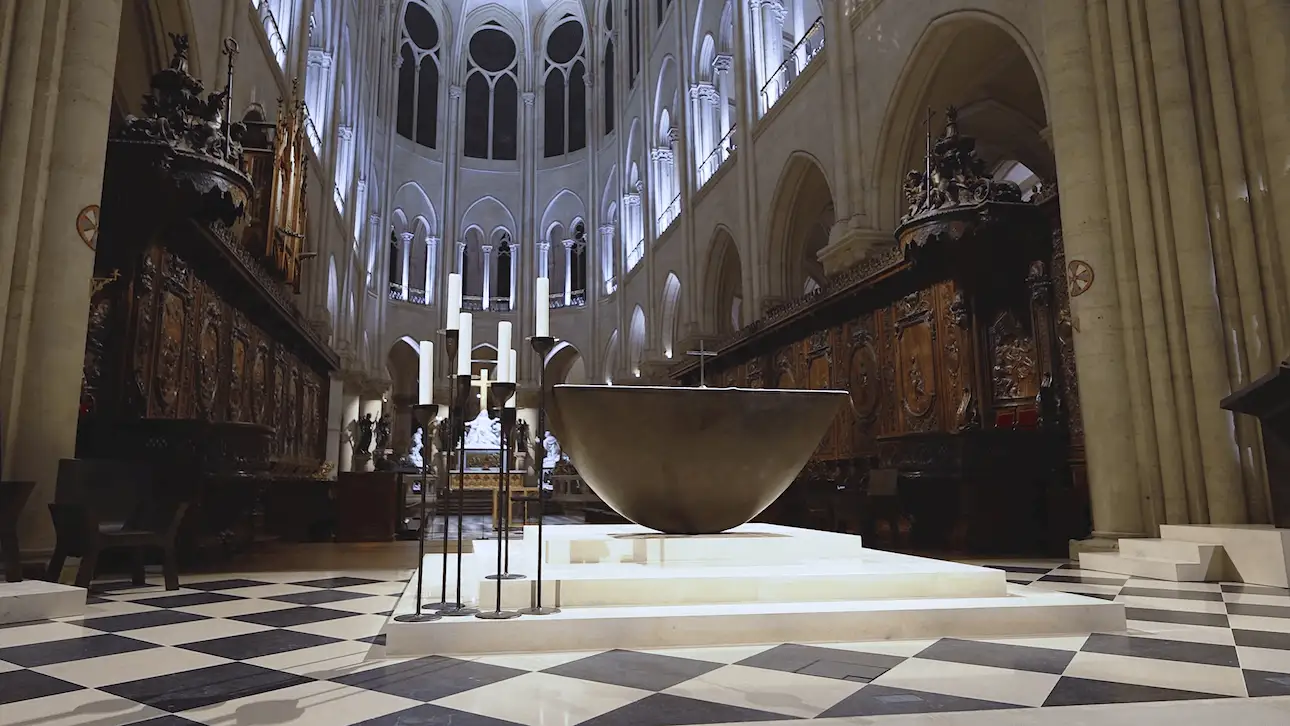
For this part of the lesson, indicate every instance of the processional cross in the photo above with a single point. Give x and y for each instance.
(703, 355)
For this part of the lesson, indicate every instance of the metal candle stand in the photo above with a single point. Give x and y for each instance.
(542, 345)
(425, 414)
(502, 391)
(450, 349)
(458, 416)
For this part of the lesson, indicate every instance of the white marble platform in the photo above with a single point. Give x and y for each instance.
(29, 600)
(620, 586)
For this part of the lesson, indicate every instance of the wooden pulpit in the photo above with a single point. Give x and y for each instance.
(1269, 399)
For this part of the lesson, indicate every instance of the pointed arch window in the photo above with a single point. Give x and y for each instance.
(504, 276)
(565, 90)
(492, 95)
(633, 40)
(418, 95)
(611, 108)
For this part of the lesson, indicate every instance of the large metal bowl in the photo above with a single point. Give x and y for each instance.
(690, 460)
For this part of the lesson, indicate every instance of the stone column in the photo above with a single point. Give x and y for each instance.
(721, 67)
(544, 259)
(48, 306)
(487, 259)
(348, 427)
(607, 258)
(335, 421)
(757, 33)
(1099, 340)
(568, 272)
(513, 272)
(432, 267)
(406, 240)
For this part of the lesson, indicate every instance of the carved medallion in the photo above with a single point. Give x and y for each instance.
(1080, 275)
(166, 375)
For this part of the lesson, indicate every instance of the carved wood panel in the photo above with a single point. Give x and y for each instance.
(915, 365)
(818, 365)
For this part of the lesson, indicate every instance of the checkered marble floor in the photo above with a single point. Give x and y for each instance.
(306, 648)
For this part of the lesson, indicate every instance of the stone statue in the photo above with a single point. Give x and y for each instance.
(522, 443)
(414, 456)
(365, 425)
(553, 452)
(383, 433)
(484, 432)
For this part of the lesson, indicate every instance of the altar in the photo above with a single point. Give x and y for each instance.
(478, 466)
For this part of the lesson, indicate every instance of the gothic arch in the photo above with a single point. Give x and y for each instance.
(801, 217)
(722, 285)
(671, 303)
(636, 341)
(981, 63)
(565, 364)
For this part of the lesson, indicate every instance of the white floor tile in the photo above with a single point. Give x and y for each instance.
(1079, 588)
(1246, 599)
(365, 605)
(898, 648)
(532, 661)
(1175, 631)
(266, 591)
(136, 665)
(726, 654)
(1175, 604)
(1001, 685)
(1059, 642)
(321, 659)
(1195, 677)
(234, 608)
(1258, 622)
(350, 628)
(543, 699)
(1171, 585)
(41, 633)
(320, 703)
(1264, 659)
(198, 630)
(791, 694)
(5, 667)
(77, 708)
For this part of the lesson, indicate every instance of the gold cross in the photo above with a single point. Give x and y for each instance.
(482, 384)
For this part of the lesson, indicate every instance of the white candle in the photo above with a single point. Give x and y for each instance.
(454, 301)
(425, 382)
(514, 369)
(503, 350)
(543, 327)
(464, 344)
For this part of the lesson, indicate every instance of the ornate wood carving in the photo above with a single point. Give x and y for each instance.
(1013, 360)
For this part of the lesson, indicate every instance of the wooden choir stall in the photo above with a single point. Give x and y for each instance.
(198, 365)
(956, 347)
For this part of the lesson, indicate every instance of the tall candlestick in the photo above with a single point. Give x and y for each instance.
(543, 302)
(514, 371)
(504, 351)
(454, 301)
(464, 344)
(425, 382)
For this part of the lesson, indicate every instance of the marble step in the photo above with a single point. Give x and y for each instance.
(1148, 567)
(1022, 612)
(1169, 549)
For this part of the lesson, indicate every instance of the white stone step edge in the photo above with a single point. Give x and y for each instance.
(1155, 569)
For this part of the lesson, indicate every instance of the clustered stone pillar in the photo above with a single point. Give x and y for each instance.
(568, 272)
(349, 427)
(1171, 144)
(57, 95)
(487, 251)
(405, 264)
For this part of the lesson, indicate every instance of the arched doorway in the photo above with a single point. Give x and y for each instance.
(723, 286)
(801, 217)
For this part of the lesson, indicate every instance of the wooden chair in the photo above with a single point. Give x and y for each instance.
(81, 534)
(13, 496)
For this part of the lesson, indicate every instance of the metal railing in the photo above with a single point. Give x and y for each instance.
(276, 43)
(636, 254)
(577, 299)
(725, 147)
(312, 132)
(611, 285)
(396, 291)
(475, 303)
(798, 59)
(669, 214)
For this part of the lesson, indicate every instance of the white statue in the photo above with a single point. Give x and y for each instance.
(484, 433)
(553, 452)
(414, 456)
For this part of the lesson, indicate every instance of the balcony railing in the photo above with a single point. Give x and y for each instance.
(396, 291)
(669, 214)
(725, 147)
(636, 254)
(798, 59)
(611, 285)
(577, 299)
(475, 303)
(276, 43)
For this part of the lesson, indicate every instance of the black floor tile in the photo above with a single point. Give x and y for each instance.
(1170, 593)
(999, 655)
(661, 709)
(876, 700)
(204, 686)
(378, 639)
(318, 597)
(1021, 569)
(22, 685)
(1262, 683)
(188, 599)
(1262, 611)
(168, 720)
(1158, 649)
(332, 582)
(428, 679)
(291, 617)
(254, 645)
(814, 660)
(62, 651)
(1250, 638)
(1255, 589)
(1181, 617)
(1080, 691)
(232, 584)
(432, 715)
(1083, 580)
(646, 671)
(137, 621)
